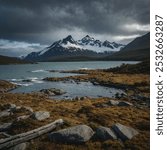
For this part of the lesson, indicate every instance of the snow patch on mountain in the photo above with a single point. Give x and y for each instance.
(69, 45)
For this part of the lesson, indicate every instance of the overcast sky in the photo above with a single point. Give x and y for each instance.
(30, 25)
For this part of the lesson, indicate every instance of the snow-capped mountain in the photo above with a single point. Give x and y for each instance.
(96, 45)
(68, 47)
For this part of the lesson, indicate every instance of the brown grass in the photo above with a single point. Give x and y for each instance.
(79, 112)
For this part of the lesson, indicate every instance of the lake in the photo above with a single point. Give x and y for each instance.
(18, 74)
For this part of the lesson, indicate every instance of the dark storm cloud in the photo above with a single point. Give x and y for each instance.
(45, 21)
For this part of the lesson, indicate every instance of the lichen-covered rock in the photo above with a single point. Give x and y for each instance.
(124, 132)
(40, 115)
(76, 134)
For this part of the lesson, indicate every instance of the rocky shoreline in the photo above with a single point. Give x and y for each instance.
(88, 123)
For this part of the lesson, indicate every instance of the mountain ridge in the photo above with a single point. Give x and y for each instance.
(68, 47)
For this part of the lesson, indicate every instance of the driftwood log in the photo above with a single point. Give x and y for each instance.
(23, 137)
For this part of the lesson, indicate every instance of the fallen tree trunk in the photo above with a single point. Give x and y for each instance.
(23, 137)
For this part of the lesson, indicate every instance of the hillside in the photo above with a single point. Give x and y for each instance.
(138, 49)
(4, 60)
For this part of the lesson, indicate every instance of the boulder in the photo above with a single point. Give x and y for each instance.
(5, 113)
(40, 115)
(124, 132)
(5, 126)
(76, 134)
(124, 103)
(21, 146)
(104, 133)
(53, 91)
(113, 102)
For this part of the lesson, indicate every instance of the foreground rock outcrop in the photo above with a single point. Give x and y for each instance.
(76, 134)
(40, 115)
(124, 132)
(104, 133)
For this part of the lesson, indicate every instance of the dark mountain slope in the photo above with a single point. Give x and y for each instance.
(138, 49)
(11, 60)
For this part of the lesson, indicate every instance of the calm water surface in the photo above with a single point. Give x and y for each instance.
(36, 72)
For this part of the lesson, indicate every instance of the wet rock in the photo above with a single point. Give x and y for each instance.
(104, 133)
(117, 95)
(95, 83)
(124, 132)
(5, 126)
(40, 115)
(53, 91)
(21, 146)
(27, 80)
(76, 134)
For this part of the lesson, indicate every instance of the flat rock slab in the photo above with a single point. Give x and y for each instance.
(40, 115)
(5, 126)
(124, 132)
(76, 134)
(104, 133)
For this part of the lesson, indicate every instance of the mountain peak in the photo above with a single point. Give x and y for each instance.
(106, 42)
(69, 38)
(87, 36)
